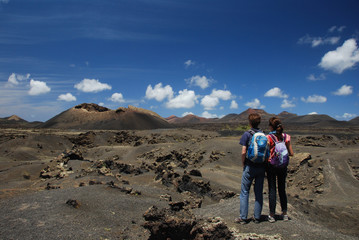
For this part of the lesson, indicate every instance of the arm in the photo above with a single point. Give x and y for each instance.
(244, 151)
(290, 149)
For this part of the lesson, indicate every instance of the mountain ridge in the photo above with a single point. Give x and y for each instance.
(93, 116)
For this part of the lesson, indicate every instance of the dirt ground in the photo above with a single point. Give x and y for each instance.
(99, 185)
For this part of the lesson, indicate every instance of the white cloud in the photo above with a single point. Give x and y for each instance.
(38, 87)
(211, 101)
(317, 41)
(206, 114)
(92, 85)
(234, 105)
(187, 113)
(344, 91)
(287, 104)
(313, 113)
(15, 79)
(68, 97)
(185, 99)
(335, 28)
(343, 58)
(188, 63)
(221, 94)
(348, 116)
(202, 82)
(117, 97)
(275, 92)
(158, 92)
(314, 99)
(256, 104)
(312, 77)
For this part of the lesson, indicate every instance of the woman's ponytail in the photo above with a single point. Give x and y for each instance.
(276, 124)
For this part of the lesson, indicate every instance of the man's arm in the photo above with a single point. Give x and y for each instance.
(244, 151)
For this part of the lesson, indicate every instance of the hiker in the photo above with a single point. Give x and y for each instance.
(280, 150)
(253, 169)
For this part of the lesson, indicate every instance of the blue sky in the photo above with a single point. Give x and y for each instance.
(206, 57)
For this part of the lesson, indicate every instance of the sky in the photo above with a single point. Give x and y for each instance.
(204, 57)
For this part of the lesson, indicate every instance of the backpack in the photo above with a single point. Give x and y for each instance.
(258, 149)
(281, 156)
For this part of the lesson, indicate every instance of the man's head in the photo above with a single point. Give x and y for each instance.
(254, 120)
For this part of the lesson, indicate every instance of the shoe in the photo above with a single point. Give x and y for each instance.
(271, 219)
(285, 218)
(255, 220)
(240, 221)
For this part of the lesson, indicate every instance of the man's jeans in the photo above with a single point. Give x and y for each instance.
(251, 173)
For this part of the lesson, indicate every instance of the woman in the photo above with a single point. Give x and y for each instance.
(275, 171)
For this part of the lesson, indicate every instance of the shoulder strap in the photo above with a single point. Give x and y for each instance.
(284, 137)
(274, 138)
(251, 132)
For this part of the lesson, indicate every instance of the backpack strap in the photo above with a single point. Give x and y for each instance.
(273, 137)
(284, 137)
(251, 132)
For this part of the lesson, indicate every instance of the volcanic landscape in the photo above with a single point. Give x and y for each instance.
(95, 173)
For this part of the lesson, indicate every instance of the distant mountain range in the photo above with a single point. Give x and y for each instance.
(90, 116)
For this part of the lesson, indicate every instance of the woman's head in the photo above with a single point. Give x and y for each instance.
(276, 124)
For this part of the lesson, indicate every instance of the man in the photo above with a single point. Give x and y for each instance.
(251, 171)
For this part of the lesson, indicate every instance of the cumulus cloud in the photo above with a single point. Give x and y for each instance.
(341, 59)
(206, 114)
(68, 97)
(275, 92)
(221, 94)
(158, 92)
(38, 87)
(187, 113)
(117, 97)
(211, 101)
(92, 85)
(14, 79)
(184, 99)
(312, 77)
(256, 104)
(202, 82)
(344, 91)
(189, 63)
(317, 41)
(313, 113)
(314, 99)
(348, 116)
(287, 104)
(234, 105)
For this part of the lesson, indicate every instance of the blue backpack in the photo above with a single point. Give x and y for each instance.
(258, 149)
(281, 156)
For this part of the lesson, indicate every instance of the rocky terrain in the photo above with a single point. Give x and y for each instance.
(174, 183)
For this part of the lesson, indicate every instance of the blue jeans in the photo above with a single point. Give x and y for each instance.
(251, 173)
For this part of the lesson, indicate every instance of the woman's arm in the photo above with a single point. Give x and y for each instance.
(290, 149)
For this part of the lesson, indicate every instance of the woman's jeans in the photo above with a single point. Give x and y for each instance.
(251, 173)
(277, 176)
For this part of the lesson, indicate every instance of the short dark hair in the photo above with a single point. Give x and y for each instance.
(254, 120)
